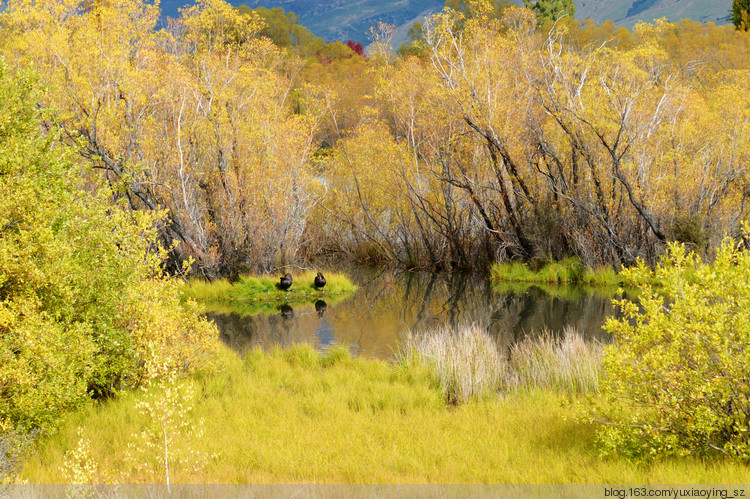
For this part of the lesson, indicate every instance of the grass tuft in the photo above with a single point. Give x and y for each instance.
(566, 364)
(303, 355)
(467, 362)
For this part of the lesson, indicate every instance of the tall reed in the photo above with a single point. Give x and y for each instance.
(468, 364)
(465, 360)
(565, 364)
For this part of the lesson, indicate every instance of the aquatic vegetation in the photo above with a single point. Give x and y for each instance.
(569, 270)
(263, 293)
(565, 291)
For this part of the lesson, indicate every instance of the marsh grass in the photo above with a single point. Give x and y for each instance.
(465, 360)
(299, 415)
(468, 364)
(263, 294)
(564, 364)
(569, 270)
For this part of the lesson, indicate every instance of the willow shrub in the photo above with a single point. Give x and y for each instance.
(84, 307)
(678, 372)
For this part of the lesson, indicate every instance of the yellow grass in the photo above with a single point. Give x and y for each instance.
(301, 416)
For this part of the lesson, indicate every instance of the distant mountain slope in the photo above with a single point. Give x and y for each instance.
(628, 12)
(351, 20)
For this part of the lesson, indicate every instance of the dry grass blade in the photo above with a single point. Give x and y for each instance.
(467, 362)
(567, 363)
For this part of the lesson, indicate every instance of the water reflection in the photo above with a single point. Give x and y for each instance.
(320, 307)
(388, 303)
(286, 311)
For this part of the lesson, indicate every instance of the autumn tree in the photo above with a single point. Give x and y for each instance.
(577, 150)
(503, 140)
(196, 119)
(472, 8)
(356, 48)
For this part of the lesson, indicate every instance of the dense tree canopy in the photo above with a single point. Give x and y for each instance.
(502, 139)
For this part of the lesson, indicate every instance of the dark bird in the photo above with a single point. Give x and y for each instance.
(320, 281)
(285, 282)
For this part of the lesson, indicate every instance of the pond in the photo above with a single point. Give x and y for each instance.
(388, 303)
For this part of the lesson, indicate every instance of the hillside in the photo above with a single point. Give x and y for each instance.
(338, 20)
(628, 12)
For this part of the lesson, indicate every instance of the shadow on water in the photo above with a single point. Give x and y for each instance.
(388, 303)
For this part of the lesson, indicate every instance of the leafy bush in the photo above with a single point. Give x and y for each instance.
(14, 449)
(84, 307)
(678, 373)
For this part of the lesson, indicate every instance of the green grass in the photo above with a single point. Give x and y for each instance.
(255, 294)
(302, 416)
(569, 270)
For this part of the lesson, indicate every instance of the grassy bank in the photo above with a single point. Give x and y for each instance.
(569, 270)
(261, 293)
(302, 416)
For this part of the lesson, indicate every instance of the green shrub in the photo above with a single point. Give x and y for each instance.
(690, 231)
(678, 373)
(84, 306)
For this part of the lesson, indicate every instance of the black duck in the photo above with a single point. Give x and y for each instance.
(285, 282)
(320, 281)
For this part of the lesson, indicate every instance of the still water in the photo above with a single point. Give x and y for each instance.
(371, 321)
